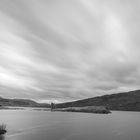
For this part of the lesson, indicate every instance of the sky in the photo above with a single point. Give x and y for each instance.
(64, 50)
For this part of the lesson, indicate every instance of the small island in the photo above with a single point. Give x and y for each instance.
(86, 109)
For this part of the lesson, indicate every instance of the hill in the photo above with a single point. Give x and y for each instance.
(21, 103)
(126, 101)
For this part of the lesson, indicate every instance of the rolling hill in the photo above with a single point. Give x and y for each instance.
(126, 101)
(21, 103)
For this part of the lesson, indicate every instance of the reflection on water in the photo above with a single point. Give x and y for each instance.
(2, 137)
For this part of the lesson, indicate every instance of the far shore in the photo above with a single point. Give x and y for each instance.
(23, 108)
(87, 109)
(11, 108)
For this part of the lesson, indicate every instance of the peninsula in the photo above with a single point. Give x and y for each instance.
(87, 109)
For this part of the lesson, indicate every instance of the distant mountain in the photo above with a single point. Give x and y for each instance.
(21, 103)
(127, 101)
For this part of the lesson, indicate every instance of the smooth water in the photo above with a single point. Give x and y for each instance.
(46, 125)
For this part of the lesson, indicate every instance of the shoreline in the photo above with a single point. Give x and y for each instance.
(87, 109)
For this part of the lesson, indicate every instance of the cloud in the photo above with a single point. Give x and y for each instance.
(68, 50)
(12, 80)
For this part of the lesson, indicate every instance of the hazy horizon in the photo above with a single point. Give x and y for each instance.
(67, 50)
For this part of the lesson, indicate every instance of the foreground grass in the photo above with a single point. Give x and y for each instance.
(2, 129)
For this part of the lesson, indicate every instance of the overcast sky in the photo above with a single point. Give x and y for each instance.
(66, 50)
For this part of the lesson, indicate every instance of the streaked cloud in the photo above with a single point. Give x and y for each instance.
(67, 50)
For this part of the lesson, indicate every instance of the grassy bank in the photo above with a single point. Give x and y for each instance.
(2, 129)
(87, 109)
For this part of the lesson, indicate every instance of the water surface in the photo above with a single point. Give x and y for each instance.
(46, 125)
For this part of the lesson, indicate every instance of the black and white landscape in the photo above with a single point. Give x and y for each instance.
(69, 70)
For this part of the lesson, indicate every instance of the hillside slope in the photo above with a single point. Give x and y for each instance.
(127, 101)
(21, 103)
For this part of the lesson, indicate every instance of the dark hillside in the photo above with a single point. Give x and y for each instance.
(128, 101)
(21, 103)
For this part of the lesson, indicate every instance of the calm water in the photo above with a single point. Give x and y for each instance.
(45, 125)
